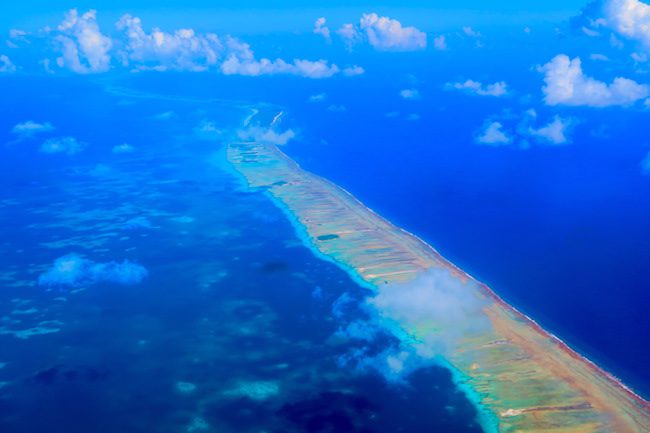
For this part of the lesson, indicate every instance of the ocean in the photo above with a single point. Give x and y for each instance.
(233, 325)
(149, 290)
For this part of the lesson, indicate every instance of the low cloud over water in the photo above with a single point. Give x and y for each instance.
(73, 270)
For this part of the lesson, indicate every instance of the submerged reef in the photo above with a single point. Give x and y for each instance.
(520, 377)
(254, 390)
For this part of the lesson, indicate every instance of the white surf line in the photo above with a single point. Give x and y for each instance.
(277, 118)
(247, 120)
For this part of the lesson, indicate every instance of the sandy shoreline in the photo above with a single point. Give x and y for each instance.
(485, 287)
(570, 392)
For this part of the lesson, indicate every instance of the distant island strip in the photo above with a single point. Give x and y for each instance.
(520, 377)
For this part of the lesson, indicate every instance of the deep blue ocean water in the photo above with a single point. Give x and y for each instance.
(233, 328)
(561, 232)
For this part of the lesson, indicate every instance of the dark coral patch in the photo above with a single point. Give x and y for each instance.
(327, 237)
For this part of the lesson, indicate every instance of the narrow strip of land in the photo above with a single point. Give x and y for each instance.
(526, 378)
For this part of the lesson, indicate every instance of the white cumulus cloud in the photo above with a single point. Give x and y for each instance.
(440, 42)
(599, 57)
(318, 97)
(629, 18)
(321, 29)
(123, 148)
(428, 317)
(74, 270)
(493, 134)
(158, 50)
(242, 61)
(267, 135)
(208, 130)
(66, 145)
(17, 38)
(388, 34)
(30, 128)
(252, 67)
(555, 132)
(84, 49)
(6, 65)
(471, 32)
(17, 34)
(521, 129)
(438, 309)
(350, 35)
(353, 71)
(566, 84)
(410, 94)
(384, 34)
(499, 88)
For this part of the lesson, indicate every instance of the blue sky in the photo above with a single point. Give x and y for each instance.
(251, 15)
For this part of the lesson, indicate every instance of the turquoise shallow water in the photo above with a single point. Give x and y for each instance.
(232, 328)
